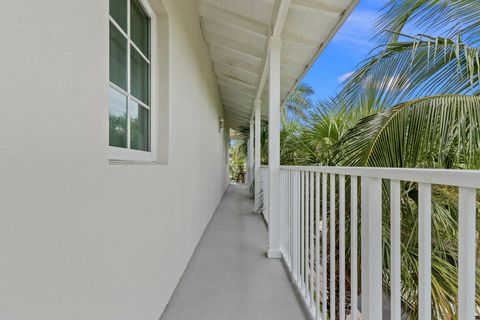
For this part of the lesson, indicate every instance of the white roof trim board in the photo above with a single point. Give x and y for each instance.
(238, 34)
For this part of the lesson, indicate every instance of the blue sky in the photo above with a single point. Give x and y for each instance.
(347, 49)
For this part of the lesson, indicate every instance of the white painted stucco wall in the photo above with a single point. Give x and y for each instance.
(81, 238)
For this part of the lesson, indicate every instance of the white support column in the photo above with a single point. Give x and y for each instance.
(274, 232)
(250, 154)
(257, 148)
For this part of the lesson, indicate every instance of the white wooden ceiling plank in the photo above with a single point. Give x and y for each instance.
(233, 97)
(235, 54)
(234, 20)
(234, 68)
(221, 58)
(235, 82)
(239, 92)
(317, 6)
(225, 42)
(299, 40)
(247, 80)
(238, 104)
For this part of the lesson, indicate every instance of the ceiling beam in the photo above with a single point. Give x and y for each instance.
(233, 110)
(234, 88)
(245, 77)
(235, 68)
(317, 6)
(233, 20)
(222, 58)
(235, 54)
(235, 77)
(232, 97)
(299, 40)
(238, 92)
(216, 39)
(230, 51)
(236, 103)
(235, 82)
(238, 119)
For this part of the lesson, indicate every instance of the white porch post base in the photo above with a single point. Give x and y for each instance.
(274, 254)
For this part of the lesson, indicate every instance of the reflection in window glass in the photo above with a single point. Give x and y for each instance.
(139, 127)
(139, 27)
(118, 11)
(140, 77)
(118, 58)
(118, 119)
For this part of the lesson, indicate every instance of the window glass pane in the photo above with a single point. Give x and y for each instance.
(139, 127)
(118, 58)
(118, 11)
(140, 77)
(118, 118)
(139, 27)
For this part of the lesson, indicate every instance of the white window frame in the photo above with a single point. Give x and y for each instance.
(125, 154)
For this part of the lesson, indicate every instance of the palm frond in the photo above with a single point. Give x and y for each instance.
(298, 102)
(446, 17)
(439, 131)
(424, 66)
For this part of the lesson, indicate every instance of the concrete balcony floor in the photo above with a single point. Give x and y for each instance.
(229, 276)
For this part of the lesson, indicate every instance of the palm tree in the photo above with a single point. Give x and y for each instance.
(433, 132)
(406, 66)
(438, 126)
(298, 102)
(420, 95)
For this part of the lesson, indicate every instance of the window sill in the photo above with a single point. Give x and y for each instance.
(135, 162)
(128, 156)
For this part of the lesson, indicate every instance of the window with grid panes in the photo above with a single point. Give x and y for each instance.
(130, 76)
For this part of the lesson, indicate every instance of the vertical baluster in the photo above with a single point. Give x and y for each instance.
(353, 245)
(298, 239)
(292, 216)
(295, 214)
(307, 229)
(332, 247)
(289, 213)
(290, 220)
(373, 295)
(302, 229)
(466, 253)
(395, 249)
(317, 244)
(342, 245)
(282, 213)
(364, 253)
(324, 245)
(312, 301)
(284, 200)
(425, 250)
(287, 242)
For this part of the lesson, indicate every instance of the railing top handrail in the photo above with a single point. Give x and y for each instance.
(453, 177)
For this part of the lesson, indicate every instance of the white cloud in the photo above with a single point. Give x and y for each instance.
(358, 29)
(344, 76)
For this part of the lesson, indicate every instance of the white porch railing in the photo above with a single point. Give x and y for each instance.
(314, 202)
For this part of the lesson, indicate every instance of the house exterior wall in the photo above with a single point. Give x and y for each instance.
(81, 238)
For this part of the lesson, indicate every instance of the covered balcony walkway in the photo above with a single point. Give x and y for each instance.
(229, 276)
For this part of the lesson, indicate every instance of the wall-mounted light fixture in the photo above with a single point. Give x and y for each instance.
(221, 125)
